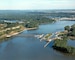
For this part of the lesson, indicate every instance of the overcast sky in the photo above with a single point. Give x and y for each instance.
(36, 4)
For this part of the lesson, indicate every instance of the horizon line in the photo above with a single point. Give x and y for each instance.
(37, 9)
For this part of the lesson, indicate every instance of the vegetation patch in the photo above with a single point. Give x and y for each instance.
(9, 30)
(61, 45)
(47, 36)
(71, 31)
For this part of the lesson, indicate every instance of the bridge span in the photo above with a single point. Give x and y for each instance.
(30, 35)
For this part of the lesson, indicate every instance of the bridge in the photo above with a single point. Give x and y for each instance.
(30, 35)
(25, 35)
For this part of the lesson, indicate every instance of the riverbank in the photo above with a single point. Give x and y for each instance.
(15, 32)
(71, 37)
(12, 31)
(10, 35)
(65, 19)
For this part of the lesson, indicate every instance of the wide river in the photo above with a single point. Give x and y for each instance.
(30, 48)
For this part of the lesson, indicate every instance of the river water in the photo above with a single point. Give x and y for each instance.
(30, 48)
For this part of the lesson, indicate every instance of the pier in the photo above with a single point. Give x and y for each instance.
(54, 36)
(47, 43)
(50, 38)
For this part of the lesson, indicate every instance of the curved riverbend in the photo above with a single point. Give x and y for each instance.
(30, 48)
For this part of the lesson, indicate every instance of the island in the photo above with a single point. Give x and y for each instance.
(61, 44)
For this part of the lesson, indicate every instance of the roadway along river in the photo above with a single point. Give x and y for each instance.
(30, 48)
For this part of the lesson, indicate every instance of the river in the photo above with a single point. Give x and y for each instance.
(30, 48)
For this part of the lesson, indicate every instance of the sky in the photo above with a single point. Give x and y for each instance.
(36, 4)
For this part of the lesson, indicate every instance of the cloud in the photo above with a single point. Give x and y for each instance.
(37, 4)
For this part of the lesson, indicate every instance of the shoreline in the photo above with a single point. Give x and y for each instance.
(16, 33)
(10, 35)
(72, 37)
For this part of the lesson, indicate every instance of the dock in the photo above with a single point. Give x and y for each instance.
(51, 40)
(47, 43)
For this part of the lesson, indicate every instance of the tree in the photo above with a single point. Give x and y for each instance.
(73, 33)
(67, 28)
(73, 26)
(31, 25)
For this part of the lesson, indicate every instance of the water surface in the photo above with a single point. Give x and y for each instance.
(30, 48)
